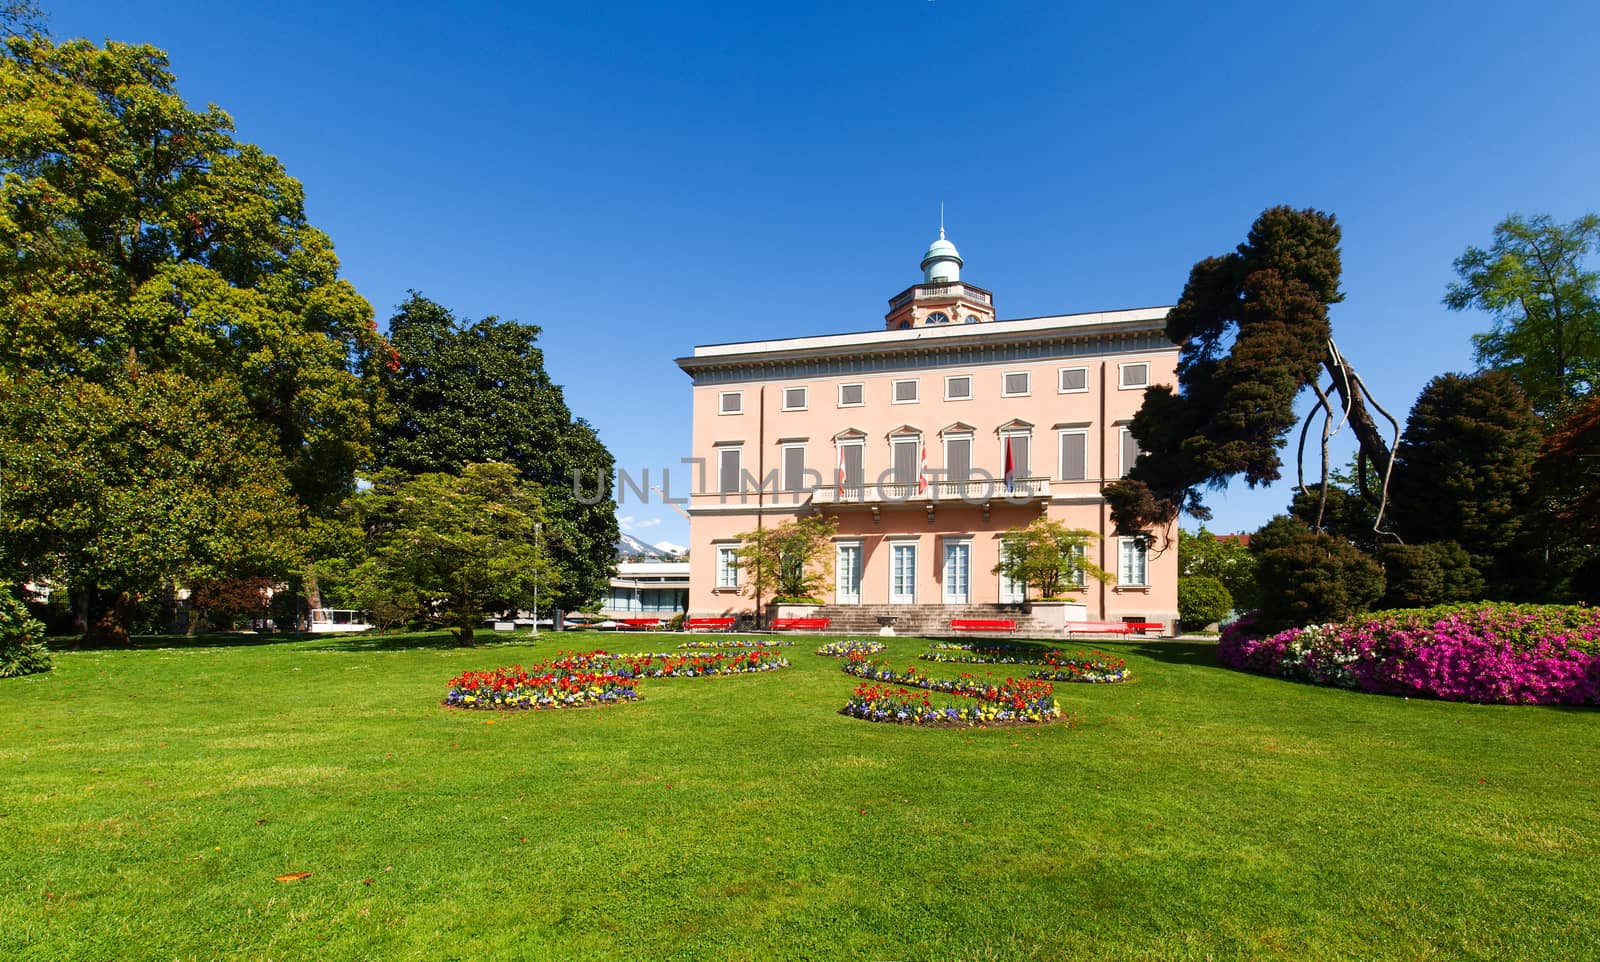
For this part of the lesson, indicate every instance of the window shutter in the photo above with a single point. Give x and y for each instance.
(1073, 457)
(728, 471)
(1130, 451)
(958, 459)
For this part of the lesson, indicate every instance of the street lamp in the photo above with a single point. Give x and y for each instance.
(538, 529)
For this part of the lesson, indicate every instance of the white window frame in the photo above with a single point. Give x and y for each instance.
(805, 398)
(1081, 580)
(839, 445)
(915, 440)
(1124, 433)
(1026, 391)
(1061, 447)
(1061, 377)
(722, 402)
(894, 390)
(1019, 433)
(858, 571)
(1144, 581)
(1122, 375)
(727, 572)
(737, 449)
(783, 465)
(945, 597)
(857, 384)
(915, 544)
(972, 463)
(957, 377)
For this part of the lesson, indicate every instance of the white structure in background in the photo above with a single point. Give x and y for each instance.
(327, 620)
(648, 589)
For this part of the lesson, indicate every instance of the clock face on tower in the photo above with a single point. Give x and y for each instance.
(937, 318)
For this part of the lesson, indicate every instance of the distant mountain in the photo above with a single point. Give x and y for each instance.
(670, 548)
(631, 548)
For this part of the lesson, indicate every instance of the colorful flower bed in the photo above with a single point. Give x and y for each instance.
(1008, 702)
(1498, 654)
(840, 649)
(716, 645)
(1015, 702)
(514, 688)
(579, 679)
(1092, 668)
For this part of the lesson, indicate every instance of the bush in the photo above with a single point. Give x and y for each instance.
(1499, 654)
(1419, 575)
(1202, 600)
(22, 650)
(1316, 578)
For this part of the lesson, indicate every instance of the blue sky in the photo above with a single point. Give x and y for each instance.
(638, 178)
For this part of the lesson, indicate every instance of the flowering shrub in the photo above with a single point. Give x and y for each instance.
(730, 643)
(1491, 653)
(22, 650)
(516, 688)
(1012, 703)
(839, 649)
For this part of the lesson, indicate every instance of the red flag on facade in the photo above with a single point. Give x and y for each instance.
(922, 477)
(1011, 471)
(841, 470)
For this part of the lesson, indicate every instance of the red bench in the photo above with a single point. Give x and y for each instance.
(799, 624)
(710, 624)
(1113, 627)
(982, 624)
(645, 623)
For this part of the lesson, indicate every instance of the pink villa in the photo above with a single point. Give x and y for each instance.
(927, 440)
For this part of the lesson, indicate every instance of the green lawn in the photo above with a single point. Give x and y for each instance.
(149, 797)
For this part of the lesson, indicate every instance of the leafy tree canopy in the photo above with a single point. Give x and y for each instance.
(455, 547)
(1202, 601)
(134, 225)
(477, 392)
(1545, 301)
(1229, 561)
(789, 560)
(1254, 330)
(1049, 557)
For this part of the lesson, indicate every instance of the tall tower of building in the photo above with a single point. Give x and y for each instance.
(942, 297)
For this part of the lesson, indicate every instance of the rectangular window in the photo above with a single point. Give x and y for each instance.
(958, 388)
(958, 457)
(1130, 452)
(1011, 591)
(957, 571)
(1134, 375)
(1074, 380)
(907, 459)
(732, 402)
(794, 399)
(847, 573)
(729, 464)
(727, 567)
(1021, 454)
(854, 468)
(903, 573)
(794, 468)
(1017, 383)
(1131, 563)
(1074, 455)
(851, 395)
(905, 392)
(1079, 556)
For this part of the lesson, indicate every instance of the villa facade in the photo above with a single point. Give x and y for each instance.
(927, 440)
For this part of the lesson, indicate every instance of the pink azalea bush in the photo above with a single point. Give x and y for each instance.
(1491, 653)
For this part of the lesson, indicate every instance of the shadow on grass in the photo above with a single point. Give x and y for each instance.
(1179, 651)
(209, 639)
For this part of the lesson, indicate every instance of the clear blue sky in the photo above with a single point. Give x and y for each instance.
(638, 178)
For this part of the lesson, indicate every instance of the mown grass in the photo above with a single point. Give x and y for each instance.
(148, 798)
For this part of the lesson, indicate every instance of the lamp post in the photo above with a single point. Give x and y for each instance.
(538, 529)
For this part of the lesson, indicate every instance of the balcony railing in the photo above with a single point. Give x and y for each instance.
(925, 292)
(974, 491)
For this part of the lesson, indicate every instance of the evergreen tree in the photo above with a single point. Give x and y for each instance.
(464, 393)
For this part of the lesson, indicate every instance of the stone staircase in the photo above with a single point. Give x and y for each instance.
(926, 621)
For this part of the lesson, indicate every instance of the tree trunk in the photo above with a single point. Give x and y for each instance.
(464, 635)
(1347, 385)
(110, 627)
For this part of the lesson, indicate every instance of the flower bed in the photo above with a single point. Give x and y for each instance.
(716, 645)
(1092, 668)
(1497, 654)
(514, 688)
(1016, 702)
(671, 664)
(841, 649)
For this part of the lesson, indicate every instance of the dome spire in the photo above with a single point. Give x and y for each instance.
(942, 263)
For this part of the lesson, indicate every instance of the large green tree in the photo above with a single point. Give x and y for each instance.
(1569, 482)
(1228, 560)
(1254, 330)
(1464, 472)
(1049, 557)
(151, 481)
(132, 223)
(471, 392)
(1534, 281)
(790, 560)
(453, 548)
